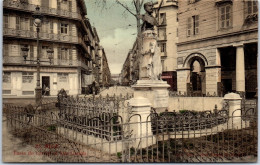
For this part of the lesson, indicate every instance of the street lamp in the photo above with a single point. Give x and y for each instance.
(37, 23)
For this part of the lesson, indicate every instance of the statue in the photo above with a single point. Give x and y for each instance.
(150, 64)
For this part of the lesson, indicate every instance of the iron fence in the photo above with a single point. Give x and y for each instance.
(108, 135)
(191, 94)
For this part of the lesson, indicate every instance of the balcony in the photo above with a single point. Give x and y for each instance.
(163, 54)
(55, 62)
(43, 36)
(17, 5)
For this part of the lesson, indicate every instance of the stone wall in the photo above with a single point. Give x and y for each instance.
(194, 103)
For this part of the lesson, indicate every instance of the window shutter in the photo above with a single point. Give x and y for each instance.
(31, 51)
(6, 21)
(189, 26)
(6, 49)
(255, 6)
(59, 27)
(31, 24)
(51, 26)
(196, 24)
(18, 23)
(249, 7)
(70, 29)
(59, 53)
(70, 6)
(58, 4)
(70, 55)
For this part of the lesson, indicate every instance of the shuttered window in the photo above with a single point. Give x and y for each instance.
(17, 22)
(6, 21)
(6, 50)
(252, 7)
(193, 25)
(196, 24)
(189, 26)
(7, 77)
(225, 16)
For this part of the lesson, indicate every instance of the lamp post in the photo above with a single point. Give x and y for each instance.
(37, 22)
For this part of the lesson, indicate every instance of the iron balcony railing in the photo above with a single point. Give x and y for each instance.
(44, 10)
(44, 36)
(20, 60)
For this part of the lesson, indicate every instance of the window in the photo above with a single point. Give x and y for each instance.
(252, 7)
(193, 25)
(7, 77)
(225, 16)
(163, 47)
(18, 23)
(44, 51)
(162, 19)
(24, 23)
(189, 25)
(63, 77)
(6, 21)
(27, 77)
(64, 28)
(64, 54)
(6, 50)
(162, 33)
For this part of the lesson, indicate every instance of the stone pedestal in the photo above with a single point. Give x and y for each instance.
(155, 91)
(234, 102)
(140, 123)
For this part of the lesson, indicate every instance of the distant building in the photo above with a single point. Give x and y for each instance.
(167, 39)
(219, 38)
(66, 30)
(115, 79)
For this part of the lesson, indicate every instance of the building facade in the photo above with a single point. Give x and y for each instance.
(217, 48)
(167, 39)
(65, 29)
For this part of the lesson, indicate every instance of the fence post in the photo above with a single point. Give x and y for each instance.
(234, 102)
(140, 122)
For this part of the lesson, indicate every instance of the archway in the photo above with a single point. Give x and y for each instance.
(197, 77)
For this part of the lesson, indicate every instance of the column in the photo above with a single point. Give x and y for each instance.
(240, 69)
(183, 77)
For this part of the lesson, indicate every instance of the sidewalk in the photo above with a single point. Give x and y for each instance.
(15, 150)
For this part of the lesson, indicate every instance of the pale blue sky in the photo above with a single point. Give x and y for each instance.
(116, 29)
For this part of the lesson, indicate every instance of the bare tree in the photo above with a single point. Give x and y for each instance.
(138, 6)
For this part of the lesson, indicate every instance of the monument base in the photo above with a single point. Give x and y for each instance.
(156, 91)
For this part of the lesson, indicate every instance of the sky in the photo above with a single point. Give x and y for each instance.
(116, 28)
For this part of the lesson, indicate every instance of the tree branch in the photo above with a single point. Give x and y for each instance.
(141, 4)
(124, 6)
(135, 5)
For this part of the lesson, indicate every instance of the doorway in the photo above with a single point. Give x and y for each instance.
(46, 85)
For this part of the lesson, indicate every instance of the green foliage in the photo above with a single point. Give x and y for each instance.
(119, 155)
(51, 128)
(183, 111)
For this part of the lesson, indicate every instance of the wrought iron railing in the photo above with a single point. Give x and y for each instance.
(191, 94)
(59, 62)
(69, 137)
(44, 36)
(45, 10)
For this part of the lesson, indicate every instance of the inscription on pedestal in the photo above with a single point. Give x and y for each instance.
(161, 98)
